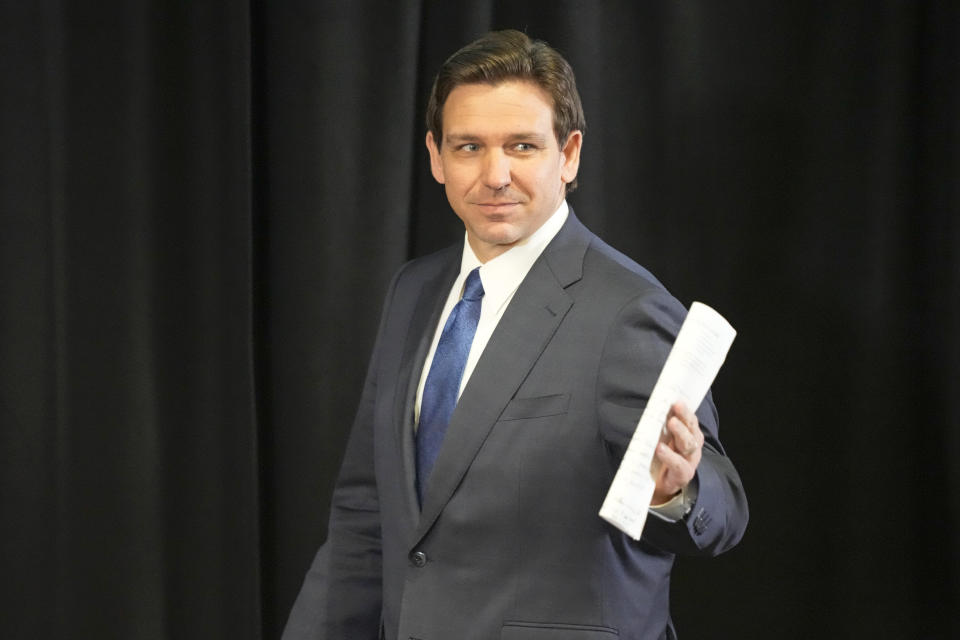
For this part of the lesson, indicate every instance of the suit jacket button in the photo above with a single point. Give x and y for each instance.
(700, 522)
(419, 559)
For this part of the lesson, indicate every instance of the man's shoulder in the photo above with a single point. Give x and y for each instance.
(604, 265)
(431, 265)
(615, 285)
(609, 263)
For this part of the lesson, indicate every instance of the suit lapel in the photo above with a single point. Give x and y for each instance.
(423, 322)
(523, 332)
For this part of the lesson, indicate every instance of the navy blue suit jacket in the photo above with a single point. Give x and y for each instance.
(508, 544)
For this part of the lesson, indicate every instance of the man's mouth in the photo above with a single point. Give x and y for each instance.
(498, 209)
(498, 203)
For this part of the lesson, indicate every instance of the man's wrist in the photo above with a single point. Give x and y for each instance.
(680, 505)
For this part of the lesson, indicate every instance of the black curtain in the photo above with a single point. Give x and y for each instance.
(202, 203)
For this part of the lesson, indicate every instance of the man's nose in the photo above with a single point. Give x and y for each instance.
(496, 170)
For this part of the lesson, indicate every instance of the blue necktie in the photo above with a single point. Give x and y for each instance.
(443, 381)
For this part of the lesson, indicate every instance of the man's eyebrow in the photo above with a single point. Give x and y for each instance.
(459, 137)
(454, 138)
(535, 137)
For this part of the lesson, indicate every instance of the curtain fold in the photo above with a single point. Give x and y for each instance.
(130, 455)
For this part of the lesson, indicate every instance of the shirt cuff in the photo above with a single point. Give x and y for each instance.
(677, 507)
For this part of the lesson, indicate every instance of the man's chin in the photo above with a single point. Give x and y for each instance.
(494, 241)
(501, 233)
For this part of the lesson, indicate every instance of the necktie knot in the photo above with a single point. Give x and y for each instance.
(473, 288)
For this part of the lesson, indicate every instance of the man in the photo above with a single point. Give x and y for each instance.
(476, 517)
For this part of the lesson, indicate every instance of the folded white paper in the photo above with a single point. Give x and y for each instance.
(693, 363)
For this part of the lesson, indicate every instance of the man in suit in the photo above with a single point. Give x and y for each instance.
(508, 375)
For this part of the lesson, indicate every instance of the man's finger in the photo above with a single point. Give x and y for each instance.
(686, 415)
(685, 441)
(674, 464)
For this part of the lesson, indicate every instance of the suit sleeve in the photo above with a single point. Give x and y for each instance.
(342, 592)
(636, 348)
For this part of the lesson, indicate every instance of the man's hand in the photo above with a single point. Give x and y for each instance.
(678, 453)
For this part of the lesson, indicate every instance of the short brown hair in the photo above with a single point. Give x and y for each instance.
(510, 55)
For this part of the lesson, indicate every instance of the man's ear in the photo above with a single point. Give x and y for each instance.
(436, 167)
(571, 156)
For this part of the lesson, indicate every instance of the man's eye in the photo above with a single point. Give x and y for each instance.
(523, 146)
(470, 146)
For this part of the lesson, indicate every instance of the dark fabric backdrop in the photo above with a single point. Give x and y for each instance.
(202, 203)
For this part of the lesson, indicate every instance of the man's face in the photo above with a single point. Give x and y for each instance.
(500, 163)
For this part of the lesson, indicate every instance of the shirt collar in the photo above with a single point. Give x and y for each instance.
(502, 275)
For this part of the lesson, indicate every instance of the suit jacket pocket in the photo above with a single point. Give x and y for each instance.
(555, 631)
(539, 407)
